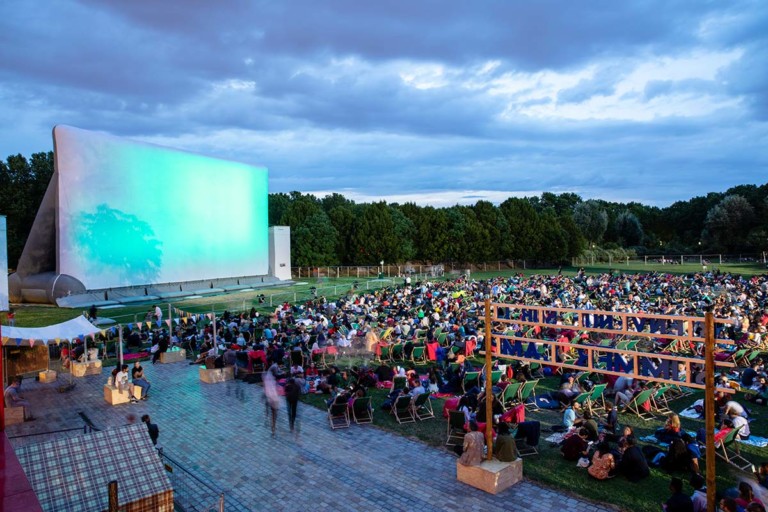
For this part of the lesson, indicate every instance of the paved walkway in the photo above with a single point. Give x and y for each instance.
(219, 432)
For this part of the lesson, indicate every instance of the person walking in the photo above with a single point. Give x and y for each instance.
(272, 397)
(292, 392)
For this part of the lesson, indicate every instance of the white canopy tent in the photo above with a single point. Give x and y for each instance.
(69, 330)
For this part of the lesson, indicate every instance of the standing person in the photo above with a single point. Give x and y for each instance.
(154, 431)
(137, 375)
(292, 392)
(272, 397)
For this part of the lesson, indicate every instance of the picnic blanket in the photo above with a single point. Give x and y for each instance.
(691, 411)
(760, 442)
(556, 438)
(546, 402)
(137, 355)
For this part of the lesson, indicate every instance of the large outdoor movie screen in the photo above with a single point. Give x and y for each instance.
(131, 213)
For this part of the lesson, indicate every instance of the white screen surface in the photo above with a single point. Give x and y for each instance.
(132, 214)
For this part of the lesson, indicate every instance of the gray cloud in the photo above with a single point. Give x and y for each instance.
(320, 91)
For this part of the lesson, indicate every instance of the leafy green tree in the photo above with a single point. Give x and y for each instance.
(559, 203)
(576, 243)
(524, 232)
(375, 239)
(277, 206)
(22, 186)
(497, 228)
(313, 242)
(344, 220)
(432, 234)
(628, 229)
(335, 200)
(592, 220)
(405, 232)
(728, 223)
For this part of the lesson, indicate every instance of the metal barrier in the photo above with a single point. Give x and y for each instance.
(192, 493)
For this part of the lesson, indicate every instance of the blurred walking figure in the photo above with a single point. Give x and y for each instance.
(272, 397)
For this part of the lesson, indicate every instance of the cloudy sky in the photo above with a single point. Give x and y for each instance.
(428, 101)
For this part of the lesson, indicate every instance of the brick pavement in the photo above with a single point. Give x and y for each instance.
(218, 431)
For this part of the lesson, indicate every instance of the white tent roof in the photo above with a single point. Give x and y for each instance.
(68, 330)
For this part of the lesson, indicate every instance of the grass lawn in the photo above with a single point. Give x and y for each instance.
(550, 469)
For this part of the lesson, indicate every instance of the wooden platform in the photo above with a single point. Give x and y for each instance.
(47, 376)
(83, 369)
(113, 397)
(491, 476)
(14, 415)
(216, 375)
(175, 356)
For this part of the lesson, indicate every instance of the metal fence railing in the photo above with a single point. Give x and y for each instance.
(193, 493)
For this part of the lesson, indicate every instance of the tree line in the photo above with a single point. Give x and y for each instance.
(551, 228)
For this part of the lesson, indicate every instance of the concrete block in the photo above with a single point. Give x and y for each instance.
(216, 375)
(175, 356)
(491, 476)
(47, 376)
(113, 397)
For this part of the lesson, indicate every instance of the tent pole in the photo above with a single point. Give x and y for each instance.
(120, 345)
(215, 341)
(2, 382)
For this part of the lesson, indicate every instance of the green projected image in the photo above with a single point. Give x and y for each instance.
(132, 214)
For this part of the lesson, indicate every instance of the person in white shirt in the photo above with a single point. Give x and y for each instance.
(122, 383)
(740, 421)
(158, 313)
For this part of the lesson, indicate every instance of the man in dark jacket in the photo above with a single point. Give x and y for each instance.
(292, 392)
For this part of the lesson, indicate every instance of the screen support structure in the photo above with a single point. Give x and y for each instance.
(689, 333)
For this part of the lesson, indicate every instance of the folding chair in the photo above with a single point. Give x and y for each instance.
(496, 377)
(330, 352)
(338, 415)
(417, 356)
(318, 357)
(527, 438)
(471, 379)
(399, 382)
(422, 407)
(383, 353)
(510, 395)
(596, 400)
(403, 409)
(526, 392)
(396, 353)
(361, 410)
(582, 399)
(733, 457)
(456, 430)
(635, 405)
(659, 402)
